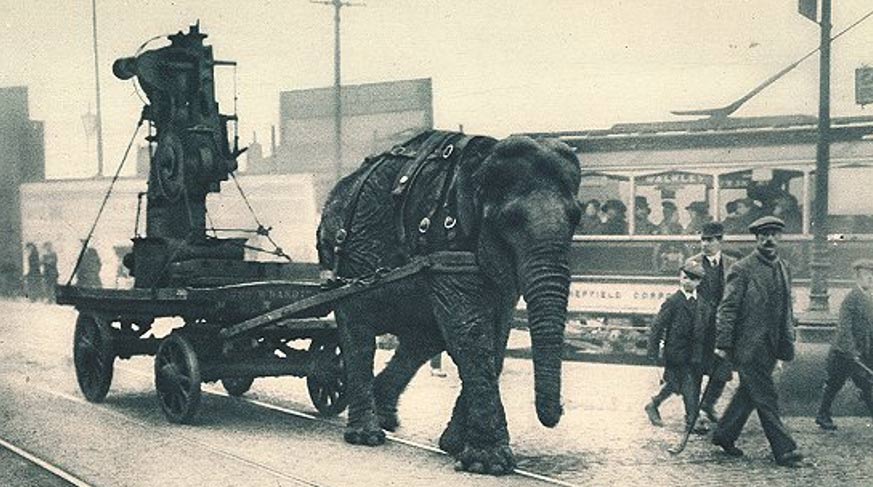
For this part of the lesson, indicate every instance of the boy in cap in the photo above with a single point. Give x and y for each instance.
(852, 344)
(715, 265)
(754, 330)
(681, 321)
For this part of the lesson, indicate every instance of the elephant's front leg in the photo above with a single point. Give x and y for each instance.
(358, 342)
(465, 308)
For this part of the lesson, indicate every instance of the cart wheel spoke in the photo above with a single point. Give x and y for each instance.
(326, 385)
(177, 378)
(93, 356)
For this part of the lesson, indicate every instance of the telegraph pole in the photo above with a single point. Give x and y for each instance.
(99, 121)
(819, 263)
(337, 82)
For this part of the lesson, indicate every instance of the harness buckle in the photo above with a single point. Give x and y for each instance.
(423, 225)
(447, 152)
(341, 236)
(450, 222)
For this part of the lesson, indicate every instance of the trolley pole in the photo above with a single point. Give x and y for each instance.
(99, 122)
(819, 262)
(337, 84)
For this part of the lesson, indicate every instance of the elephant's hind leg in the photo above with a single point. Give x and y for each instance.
(414, 349)
(358, 341)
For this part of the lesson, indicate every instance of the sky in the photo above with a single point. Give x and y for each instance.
(498, 67)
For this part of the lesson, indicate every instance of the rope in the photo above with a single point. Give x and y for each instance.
(103, 204)
(262, 230)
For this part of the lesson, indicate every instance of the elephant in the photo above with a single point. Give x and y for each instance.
(511, 203)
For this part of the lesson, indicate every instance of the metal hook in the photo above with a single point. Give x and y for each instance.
(450, 223)
(447, 152)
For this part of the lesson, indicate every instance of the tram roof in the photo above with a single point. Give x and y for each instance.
(784, 130)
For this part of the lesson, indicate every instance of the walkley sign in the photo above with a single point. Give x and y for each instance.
(674, 177)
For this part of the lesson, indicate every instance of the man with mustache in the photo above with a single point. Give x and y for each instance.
(755, 329)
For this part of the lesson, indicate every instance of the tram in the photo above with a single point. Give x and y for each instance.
(647, 188)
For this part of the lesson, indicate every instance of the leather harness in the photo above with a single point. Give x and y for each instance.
(438, 147)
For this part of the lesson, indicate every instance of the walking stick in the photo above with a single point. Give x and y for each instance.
(864, 369)
(689, 428)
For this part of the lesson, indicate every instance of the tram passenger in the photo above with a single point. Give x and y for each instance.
(715, 265)
(590, 222)
(746, 213)
(616, 219)
(670, 223)
(853, 343)
(699, 212)
(679, 324)
(642, 224)
(755, 328)
(785, 207)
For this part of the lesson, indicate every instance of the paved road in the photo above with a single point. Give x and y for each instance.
(603, 439)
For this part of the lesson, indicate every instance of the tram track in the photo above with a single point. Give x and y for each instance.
(44, 465)
(215, 390)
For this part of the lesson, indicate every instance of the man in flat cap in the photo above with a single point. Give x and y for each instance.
(853, 344)
(755, 329)
(715, 265)
(679, 325)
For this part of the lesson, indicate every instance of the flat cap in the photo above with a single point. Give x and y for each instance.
(768, 222)
(693, 269)
(863, 264)
(712, 229)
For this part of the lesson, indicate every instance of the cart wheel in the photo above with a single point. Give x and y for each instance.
(93, 356)
(237, 386)
(327, 381)
(177, 379)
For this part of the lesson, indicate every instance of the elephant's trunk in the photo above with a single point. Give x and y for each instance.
(545, 277)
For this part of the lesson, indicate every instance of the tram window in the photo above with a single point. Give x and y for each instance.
(850, 208)
(604, 200)
(671, 203)
(748, 195)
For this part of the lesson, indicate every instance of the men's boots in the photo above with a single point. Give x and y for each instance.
(652, 412)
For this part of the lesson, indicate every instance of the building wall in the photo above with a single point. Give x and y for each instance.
(22, 159)
(62, 211)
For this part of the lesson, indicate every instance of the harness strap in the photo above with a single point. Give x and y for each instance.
(455, 153)
(342, 235)
(409, 173)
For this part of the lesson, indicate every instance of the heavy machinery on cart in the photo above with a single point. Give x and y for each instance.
(180, 271)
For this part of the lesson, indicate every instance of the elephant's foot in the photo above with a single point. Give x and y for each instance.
(388, 420)
(452, 439)
(365, 432)
(496, 460)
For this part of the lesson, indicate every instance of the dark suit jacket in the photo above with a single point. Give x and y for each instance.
(855, 332)
(711, 290)
(682, 323)
(750, 324)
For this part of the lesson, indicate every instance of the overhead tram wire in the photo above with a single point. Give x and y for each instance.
(727, 110)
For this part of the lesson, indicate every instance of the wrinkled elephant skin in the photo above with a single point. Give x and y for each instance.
(517, 210)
